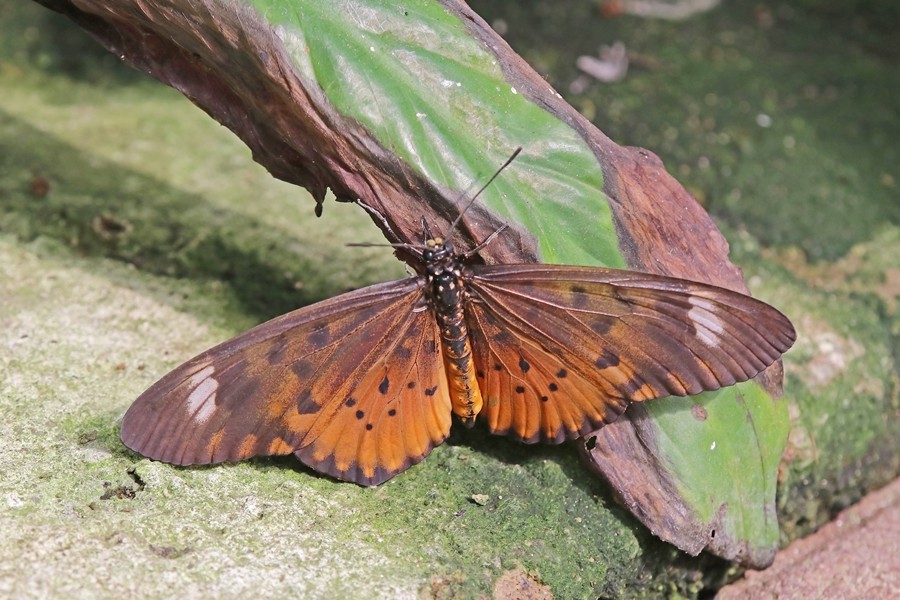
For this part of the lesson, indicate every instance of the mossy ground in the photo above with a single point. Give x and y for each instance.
(135, 232)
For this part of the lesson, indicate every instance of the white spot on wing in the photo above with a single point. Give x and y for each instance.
(708, 326)
(198, 377)
(202, 400)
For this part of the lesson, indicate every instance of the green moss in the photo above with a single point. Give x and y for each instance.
(779, 119)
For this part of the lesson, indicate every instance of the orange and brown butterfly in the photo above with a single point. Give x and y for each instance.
(363, 385)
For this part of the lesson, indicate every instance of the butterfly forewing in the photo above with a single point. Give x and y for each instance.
(331, 382)
(561, 350)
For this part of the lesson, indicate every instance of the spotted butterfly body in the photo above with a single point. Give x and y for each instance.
(363, 385)
(446, 294)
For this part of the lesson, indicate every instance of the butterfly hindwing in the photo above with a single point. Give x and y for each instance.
(330, 382)
(529, 393)
(561, 350)
(393, 416)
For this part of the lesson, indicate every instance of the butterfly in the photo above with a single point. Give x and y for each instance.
(364, 385)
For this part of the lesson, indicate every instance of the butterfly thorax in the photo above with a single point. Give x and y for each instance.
(447, 296)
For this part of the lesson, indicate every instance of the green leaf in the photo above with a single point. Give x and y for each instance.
(722, 450)
(424, 88)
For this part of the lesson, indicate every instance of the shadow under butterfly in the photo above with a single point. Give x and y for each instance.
(363, 385)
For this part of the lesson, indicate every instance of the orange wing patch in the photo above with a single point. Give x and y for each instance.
(531, 394)
(392, 418)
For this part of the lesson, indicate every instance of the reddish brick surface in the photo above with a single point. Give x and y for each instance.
(855, 556)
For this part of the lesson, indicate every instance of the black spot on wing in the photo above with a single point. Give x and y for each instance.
(523, 364)
(306, 405)
(303, 369)
(430, 391)
(606, 360)
(384, 385)
(580, 298)
(360, 415)
(601, 325)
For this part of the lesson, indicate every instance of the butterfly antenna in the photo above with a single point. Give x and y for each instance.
(484, 187)
(377, 245)
(388, 227)
(486, 241)
(380, 217)
(426, 231)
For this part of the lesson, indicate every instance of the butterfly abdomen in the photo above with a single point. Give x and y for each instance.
(447, 295)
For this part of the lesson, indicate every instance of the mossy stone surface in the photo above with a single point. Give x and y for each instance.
(135, 232)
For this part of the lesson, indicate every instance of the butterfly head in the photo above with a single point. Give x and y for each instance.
(439, 255)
